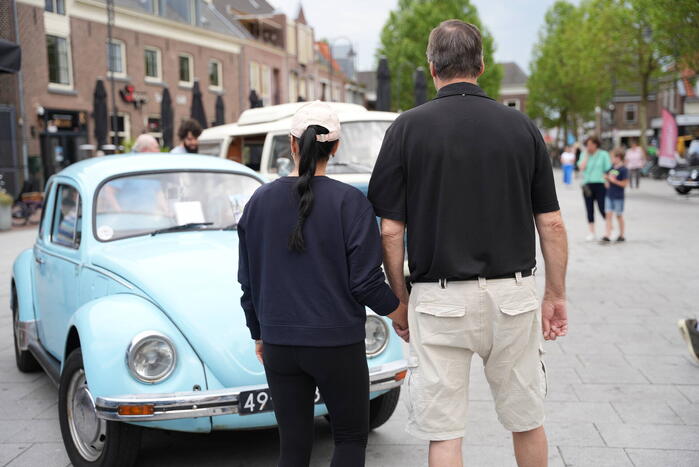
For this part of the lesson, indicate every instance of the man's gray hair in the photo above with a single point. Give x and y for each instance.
(455, 49)
(146, 143)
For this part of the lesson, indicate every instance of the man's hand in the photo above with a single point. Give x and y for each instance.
(554, 318)
(259, 350)
(400, 321)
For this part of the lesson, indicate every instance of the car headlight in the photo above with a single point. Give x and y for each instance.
(151, 357)
(695, 174)
(672, 172)
(376, 335)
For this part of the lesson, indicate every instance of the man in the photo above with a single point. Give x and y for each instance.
(188, 134)
(470, 178)
(146, 143)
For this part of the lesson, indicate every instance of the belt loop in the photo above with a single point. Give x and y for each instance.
(443, 283)
(482, 282)
(534, 271)
(518, 277)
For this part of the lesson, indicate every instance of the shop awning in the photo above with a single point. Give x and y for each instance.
(10, 57)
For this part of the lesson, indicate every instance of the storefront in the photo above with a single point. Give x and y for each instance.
(64, 132)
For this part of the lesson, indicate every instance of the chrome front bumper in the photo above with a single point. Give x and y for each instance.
(172, 406)
(683, 182)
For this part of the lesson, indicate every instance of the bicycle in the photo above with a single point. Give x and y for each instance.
(27, 209)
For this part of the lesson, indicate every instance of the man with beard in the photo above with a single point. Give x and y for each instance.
(189, 137)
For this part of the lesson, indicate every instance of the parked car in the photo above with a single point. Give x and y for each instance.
(130, 303)
(260, 140)
(684, 179)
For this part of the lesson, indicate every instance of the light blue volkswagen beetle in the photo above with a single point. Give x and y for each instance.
(129, 302)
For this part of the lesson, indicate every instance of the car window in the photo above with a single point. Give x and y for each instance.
(44, 208)
(280, 148)
(67, 215)
(360, 143)
(252, 151)
(139, 204)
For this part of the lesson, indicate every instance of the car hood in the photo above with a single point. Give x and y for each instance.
(193, 278)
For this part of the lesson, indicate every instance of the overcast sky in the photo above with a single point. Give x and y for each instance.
(514, 24)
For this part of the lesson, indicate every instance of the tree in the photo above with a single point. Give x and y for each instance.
(674, 28)
(404, 42)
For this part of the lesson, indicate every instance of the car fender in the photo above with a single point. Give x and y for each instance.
(22, 278)
(106, 326)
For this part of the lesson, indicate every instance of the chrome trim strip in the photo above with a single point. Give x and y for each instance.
(56, 255)
(26, 334)
(110, 275)
(179, 405)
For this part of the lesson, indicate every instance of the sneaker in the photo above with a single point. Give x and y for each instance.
(605, 240)
(620, 239)
(688, 329)
(590, 238)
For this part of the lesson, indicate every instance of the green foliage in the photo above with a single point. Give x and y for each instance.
(404, 42)
(674, 28)
(5, 198)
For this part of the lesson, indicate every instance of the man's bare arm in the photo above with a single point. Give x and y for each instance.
(392, 235)
(554, 246)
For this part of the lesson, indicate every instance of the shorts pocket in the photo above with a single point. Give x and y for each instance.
(443, 303)
(516, 299)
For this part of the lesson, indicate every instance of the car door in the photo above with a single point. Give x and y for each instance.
(57, 265)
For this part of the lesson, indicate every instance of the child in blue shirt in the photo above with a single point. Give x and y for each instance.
(617, 178)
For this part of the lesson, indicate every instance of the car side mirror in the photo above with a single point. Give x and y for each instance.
(284, 166)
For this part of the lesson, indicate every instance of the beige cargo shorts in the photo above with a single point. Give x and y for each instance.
(498, 319)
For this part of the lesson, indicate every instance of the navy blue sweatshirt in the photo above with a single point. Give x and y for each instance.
(314, 298)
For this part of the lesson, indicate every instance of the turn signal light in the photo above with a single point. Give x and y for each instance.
(400, 376)
(136, 409)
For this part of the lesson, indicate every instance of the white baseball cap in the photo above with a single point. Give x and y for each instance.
(316, 113)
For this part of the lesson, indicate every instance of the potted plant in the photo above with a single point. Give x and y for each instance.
(5, 210)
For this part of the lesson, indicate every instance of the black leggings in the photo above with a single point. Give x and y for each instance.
(598, 192)
(342, 376)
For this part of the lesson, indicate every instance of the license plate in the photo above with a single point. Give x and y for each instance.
(260, 400)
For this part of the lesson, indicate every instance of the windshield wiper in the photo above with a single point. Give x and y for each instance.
(182, 228)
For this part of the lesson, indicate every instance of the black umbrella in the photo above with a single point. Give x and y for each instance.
(420, 87)
(10, 57)
(383, 86)
(255, 101)
(220, 112)
(99, 113)
(197, 111)
(166, 118)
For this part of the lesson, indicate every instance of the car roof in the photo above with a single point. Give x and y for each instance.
(278, 118)
(91, 172)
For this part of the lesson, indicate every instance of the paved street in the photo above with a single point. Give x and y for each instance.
(622, 391)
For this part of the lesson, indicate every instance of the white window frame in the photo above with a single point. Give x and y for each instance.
(266, 82)
(628, 107)
(61, 86)
(123, 72)
(218, 86)
(190, 83)
(156, 134)
(159, 64)
(124, 135)
(517, 103)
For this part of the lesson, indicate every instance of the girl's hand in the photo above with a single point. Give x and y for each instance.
(259, 348)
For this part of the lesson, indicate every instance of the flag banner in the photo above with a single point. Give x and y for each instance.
(668, 141)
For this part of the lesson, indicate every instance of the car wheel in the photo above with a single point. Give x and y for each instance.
(381, 408)
(683, 190)
(88, 439)
(26, 363)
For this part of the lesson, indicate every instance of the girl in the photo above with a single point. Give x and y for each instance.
(594, 164)
(310, 261)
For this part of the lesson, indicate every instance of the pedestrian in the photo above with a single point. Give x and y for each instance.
(567, 163)
(146, 143)
(309, 263)
(594, 163)
(635, 160)
(689, 329)
(470, 179)
(188, 133)
(617, 179)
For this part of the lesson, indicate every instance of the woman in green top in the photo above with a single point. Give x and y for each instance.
(593, 164)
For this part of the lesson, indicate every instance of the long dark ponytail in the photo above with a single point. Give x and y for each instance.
(310, 152)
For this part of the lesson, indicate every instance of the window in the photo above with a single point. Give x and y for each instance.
(261, 81)
(43, 221)
(67, 217)
(311, 90)
(293, 87)
(152, 58)
(116, 57)
(514, 103)
(630, 113)
(215, 79)
(123, 128)
(184, 10)
(186, 66)
(55, 6)
(59, 60)
(154, 128)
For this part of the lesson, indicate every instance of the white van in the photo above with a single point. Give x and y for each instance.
(260, 140)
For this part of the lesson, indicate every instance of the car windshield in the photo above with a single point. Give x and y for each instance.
(359, 147)
(142, 204)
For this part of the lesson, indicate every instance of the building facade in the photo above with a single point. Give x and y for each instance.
(513, 88)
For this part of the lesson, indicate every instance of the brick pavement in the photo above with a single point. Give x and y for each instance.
(622, 390)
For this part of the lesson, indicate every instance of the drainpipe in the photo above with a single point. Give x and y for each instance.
(20, 91)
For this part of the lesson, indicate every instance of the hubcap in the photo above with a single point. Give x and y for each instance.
(87, 430)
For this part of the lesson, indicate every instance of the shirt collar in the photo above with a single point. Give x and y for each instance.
(462, 88)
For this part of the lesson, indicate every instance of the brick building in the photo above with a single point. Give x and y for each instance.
(513, 88)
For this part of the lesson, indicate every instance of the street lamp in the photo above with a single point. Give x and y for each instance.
(351, 55)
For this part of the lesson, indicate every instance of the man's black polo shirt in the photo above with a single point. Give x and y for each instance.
(466, 174)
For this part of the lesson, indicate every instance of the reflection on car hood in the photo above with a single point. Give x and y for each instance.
(193, 277)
